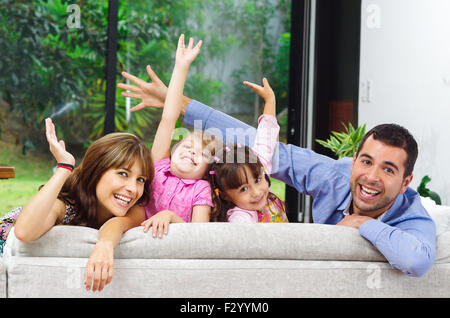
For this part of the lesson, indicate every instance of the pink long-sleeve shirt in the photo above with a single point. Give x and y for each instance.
(175, 194)
(264, 146)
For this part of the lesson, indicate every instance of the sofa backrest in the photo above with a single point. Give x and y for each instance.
(211, 241)
(296, 241)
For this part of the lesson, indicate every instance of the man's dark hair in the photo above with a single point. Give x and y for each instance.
(397, 136)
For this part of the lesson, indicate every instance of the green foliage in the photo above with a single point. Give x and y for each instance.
(344, 144)
(269, 51)
(427, 193)
(48, 66)
(281, 72)
(96, 113)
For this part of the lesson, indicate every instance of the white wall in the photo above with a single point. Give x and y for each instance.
(405, 78)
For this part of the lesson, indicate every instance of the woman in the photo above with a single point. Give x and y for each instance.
(104, 192)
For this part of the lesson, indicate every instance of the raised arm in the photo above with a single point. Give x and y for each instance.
(268, 128)
(44, 209)
(163, 137)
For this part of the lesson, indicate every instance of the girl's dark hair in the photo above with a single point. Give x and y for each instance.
(112, 151)
(228, 172)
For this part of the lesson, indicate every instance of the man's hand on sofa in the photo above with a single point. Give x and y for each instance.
(100, 266)
(354, 220)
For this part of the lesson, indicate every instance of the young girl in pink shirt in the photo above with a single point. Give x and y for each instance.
(180, 194)
(239, 175)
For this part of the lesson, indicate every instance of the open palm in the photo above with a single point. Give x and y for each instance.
(57, 148)
(151, 94)
(264, 91)
(186, 55)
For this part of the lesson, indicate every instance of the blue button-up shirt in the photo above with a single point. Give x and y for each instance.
(406, 234)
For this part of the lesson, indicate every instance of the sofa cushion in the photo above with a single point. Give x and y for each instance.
(441, 217)
(2, 278)
(439, 213)
(212, 241)
(223, 278)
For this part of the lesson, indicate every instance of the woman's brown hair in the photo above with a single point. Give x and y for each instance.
(228, 172)
(112, 151)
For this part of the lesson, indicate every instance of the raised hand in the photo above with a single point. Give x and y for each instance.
(186, 55)
(57, 148)
(266, 93)
(151, 94)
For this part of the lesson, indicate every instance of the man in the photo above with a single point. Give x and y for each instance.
(368, 192)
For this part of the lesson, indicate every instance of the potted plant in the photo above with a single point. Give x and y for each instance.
(344, 144)
(427, 193)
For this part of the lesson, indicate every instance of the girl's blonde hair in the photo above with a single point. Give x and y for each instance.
(209, 141)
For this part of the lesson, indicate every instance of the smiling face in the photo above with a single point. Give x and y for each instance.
(377, 177)
(190, 159)
(119, 189)
(252, 194)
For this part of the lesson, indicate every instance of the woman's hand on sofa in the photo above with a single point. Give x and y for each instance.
(100, 266)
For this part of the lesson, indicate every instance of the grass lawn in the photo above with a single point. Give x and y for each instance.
(32, 171)
(278, 187)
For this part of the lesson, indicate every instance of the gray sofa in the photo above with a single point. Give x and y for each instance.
(223, 260)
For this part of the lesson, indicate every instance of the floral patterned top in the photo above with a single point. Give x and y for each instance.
(9, 219)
